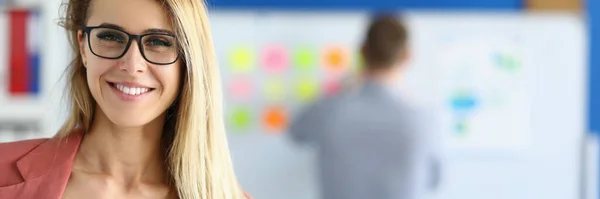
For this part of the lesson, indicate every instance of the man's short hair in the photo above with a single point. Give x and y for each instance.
(385, 40)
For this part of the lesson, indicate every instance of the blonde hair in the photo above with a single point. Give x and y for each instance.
(198, 157)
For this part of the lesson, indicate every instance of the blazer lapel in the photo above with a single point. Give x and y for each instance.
(47, 168)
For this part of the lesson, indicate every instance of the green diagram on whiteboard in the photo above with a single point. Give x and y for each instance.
(485, 91)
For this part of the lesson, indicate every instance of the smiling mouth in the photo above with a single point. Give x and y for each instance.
(130, 90)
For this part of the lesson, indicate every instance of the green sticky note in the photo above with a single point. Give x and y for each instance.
(305, 58)
(360, 62)
(307, 90)
(274, 89)
(461, 129)
(241, 118)
(241, 59)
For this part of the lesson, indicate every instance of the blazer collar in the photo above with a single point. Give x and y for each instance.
(51, 154)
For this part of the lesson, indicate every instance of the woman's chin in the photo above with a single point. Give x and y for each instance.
(129, 121)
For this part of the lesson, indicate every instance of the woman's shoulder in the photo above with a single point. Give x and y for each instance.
(13, 151)
(10, 152)
(17, 149)
(29, 158)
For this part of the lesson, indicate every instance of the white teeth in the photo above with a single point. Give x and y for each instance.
(131, 91)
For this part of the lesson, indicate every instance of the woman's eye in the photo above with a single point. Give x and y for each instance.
(107, 36)
(157, 42)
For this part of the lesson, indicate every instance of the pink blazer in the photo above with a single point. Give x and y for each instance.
(37, 169)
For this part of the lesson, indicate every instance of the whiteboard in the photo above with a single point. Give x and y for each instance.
(510, 88)
(540, 161)
(539, 155)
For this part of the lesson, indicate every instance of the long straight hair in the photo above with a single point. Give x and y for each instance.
(196, 150)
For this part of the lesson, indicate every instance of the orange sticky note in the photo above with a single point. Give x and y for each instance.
(241, 88)
(335, 59)
(275, 59)
(275, 119)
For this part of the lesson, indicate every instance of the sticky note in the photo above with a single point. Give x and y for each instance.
(360, 62)
(241, 118)
(306, 89)
(275, 119)
(332, 86)
(275, 59)
(305, 58)
(241, 88)
(335, 59)
(241, 59)
(274, 89)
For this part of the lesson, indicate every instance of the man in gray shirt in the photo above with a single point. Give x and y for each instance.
(372, 144)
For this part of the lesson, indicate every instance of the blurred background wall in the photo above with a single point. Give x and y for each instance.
(513, 80)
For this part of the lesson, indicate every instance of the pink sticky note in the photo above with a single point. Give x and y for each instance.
(332, 86)
(275, 59)
(241, 88)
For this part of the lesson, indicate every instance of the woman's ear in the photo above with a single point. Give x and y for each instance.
(81, 42)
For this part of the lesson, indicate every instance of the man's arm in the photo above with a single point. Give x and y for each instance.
(307, 125)
(435, 150)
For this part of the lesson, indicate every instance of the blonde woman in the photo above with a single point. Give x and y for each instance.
(146, 110)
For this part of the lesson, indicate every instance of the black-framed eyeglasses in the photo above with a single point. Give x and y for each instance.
(112, 43)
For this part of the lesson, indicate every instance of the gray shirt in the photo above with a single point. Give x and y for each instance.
(371, 144)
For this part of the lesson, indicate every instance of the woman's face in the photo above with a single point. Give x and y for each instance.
(129, 89)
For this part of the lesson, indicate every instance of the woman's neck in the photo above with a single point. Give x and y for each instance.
(128, 154)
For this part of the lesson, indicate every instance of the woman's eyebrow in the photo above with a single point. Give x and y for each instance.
(158, 30)
(110, 25)
(151, 30)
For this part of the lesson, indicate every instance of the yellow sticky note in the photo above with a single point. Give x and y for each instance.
(274, 89)
(241, 59)
(307, 89)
